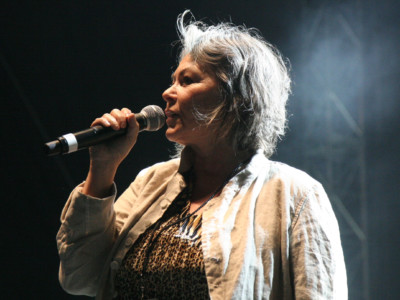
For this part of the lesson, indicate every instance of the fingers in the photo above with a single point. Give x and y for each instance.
(133, 129)
(116, 119)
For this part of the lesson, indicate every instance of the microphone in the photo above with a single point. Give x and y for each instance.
(151, 118)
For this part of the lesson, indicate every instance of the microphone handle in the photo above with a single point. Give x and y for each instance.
(72, 142)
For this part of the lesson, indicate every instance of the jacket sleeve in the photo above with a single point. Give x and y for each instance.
(84, 241)
(316, 256)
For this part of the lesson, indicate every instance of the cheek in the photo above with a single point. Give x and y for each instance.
(187, 109)
(208, 103)
(203, 102)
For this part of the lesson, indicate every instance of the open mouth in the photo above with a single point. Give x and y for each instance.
(170, 114)
(171, 117)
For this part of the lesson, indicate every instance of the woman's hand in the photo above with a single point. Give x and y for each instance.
(105, 158)
(114, 151)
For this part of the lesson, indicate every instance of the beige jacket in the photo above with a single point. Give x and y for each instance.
(271, 234)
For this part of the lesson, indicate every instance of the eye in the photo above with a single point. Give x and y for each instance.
(186, 80)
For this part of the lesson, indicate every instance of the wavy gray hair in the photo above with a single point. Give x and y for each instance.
(253, 80)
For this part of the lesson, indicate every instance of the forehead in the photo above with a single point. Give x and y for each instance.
(188, 64)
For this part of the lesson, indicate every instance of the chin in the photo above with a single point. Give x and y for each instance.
(171, 135)
(175, 136)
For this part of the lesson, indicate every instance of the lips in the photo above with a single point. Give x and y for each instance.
(171, 117)
(169, 113)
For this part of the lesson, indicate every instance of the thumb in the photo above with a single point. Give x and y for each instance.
(133, 126)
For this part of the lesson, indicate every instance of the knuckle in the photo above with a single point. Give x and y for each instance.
(115, 112)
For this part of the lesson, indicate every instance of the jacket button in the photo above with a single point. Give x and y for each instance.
(148, 224)
(164, 204)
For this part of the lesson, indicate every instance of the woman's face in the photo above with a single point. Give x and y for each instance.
(191, 86)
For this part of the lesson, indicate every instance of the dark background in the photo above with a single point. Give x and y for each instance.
(63, 63)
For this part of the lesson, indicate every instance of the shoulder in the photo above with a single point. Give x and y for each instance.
(161, 169)
(279, 173)
(291, 176)
(298, 184)
(287, 186)
(151, 179)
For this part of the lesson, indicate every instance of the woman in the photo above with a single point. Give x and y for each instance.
(221, 221)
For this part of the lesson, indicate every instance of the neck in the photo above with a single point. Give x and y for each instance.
(214, 164)
(214, 159)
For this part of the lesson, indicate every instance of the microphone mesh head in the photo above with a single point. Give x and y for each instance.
(155, 117)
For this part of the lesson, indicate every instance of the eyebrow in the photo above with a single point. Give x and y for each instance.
(173, 73)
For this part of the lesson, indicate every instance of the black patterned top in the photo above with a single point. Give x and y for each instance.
(166, 262)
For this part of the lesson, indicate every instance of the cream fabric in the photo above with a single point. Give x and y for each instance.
(271, 234)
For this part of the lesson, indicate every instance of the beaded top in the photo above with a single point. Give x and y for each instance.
(166, 262)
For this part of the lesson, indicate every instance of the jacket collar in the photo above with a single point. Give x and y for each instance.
(257, 163)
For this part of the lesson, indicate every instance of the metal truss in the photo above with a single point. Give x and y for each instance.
(331, 93)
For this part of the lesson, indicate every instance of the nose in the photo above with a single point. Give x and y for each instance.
(169, 95)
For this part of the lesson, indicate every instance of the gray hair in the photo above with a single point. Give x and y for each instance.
(253, 81)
